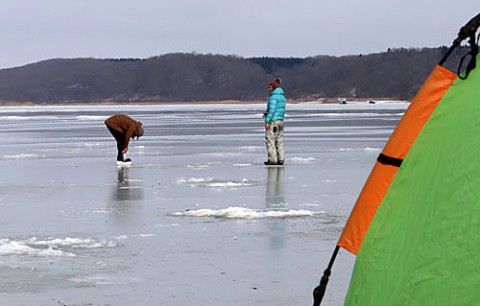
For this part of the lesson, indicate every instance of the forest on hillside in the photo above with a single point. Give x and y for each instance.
(190, 77)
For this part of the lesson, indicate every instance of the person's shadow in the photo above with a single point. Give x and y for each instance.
(275, 200)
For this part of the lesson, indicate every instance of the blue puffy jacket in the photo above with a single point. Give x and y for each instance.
(276, 105)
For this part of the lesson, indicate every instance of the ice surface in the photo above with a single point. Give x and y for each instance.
(196, 220)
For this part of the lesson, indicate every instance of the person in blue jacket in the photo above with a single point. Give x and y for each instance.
(274, 123)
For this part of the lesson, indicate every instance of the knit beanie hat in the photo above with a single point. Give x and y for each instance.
(140, 132)
(275, 83)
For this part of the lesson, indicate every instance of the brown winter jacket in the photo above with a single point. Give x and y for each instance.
(125, 125)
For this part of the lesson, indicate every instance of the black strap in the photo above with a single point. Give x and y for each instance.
(319, 291)
(388, 160)
(468, 30)
(473, 59)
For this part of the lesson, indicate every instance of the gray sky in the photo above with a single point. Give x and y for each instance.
(35, 30)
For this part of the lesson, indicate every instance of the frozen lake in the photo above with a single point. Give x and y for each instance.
(196, 220)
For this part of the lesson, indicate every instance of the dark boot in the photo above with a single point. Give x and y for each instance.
(120, 156)
(269, 163)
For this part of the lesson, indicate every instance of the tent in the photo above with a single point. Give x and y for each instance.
(415, 223)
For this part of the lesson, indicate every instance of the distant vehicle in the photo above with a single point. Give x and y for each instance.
(342, 100)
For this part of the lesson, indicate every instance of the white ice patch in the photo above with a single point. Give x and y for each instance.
(194, 180)
(77, 243)
(302, 160)
(246, 213)
(202, 166)
(358, 149)
(94, 118)
(123, 237)
(50, 247)
(329, 181)
(242, 165)
(212, 183)
(250, 148)
(92, 145)
(13, 118)
(105, 280)
(22, 156)
(8, 247)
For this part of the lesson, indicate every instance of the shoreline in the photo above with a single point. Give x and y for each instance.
(224, 102)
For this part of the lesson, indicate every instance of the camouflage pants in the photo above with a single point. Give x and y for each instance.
(274, 142)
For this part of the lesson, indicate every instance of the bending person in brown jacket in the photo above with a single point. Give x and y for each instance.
(123, 128)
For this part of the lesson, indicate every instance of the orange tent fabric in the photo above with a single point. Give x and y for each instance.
(397, 147)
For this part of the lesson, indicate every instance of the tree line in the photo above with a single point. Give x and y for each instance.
(191, 77)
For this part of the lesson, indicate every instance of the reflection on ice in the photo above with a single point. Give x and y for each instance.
(125, 190)
(275, 200)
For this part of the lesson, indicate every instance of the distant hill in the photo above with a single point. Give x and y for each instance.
(190, 77)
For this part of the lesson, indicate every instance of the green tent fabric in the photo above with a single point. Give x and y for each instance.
(423, 246)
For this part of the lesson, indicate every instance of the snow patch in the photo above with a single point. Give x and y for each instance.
(246, 213)
(50, 247)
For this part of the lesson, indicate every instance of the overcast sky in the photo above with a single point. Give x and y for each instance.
(35, 30)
